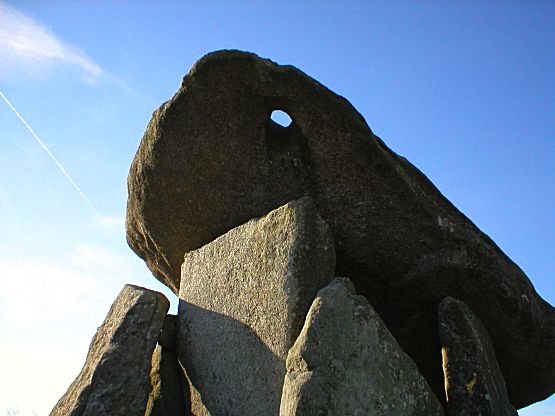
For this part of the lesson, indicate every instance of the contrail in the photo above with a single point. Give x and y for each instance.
(47, 150)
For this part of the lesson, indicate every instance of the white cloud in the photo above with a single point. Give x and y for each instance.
(27, 45)
(31, 290)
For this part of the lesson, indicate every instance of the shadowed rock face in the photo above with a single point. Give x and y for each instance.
(473, 383)
(168, 394)
(211, 159)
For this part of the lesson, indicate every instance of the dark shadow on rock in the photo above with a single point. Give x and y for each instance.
(231, 371)
(170, 394)
(289, 161)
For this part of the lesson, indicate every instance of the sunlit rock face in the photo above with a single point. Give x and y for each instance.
(244, 297)
(212, 158)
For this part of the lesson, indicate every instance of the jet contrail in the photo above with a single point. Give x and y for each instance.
(37, 138)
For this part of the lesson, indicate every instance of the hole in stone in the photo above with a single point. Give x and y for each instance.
(281, 117)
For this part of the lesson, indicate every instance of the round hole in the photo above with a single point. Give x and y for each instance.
(281, 118)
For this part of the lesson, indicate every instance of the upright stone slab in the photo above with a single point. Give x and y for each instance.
(212, 158)
(345, 362)
(244, 297)
(115, 378)
(474, 384)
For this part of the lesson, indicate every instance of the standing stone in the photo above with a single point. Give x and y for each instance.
(244, 299)
(345, 362)
(212, 158)
(474, 384)
(169, 394)
(115, 378)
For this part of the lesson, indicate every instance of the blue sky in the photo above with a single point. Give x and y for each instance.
(464, 90)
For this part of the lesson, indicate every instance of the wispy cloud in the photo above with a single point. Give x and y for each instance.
(85, 279)
(111, 222)
(26, 44)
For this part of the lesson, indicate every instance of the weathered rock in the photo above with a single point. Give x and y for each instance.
(474, 384)
(211, 158)
(244, 299)
(115, 378)
(169, 394)
(345, 362)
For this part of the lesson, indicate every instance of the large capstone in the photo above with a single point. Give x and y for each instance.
(212, 158)
(345, 362)
(474, 384)
(244, 298)
(115, 378)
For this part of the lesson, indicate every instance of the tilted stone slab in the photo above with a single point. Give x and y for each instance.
(474, 384)
(244, 299)
(345, 362)
(115, 378)
(211, 159)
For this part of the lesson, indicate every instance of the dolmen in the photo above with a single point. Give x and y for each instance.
(318, 272)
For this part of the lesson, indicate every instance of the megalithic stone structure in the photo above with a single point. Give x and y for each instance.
(244, 298)
(212, 158)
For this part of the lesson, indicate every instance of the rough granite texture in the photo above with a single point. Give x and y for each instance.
(474, 384)
(211, 158)
(244, 298)
(115, 378)
(345, 362)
